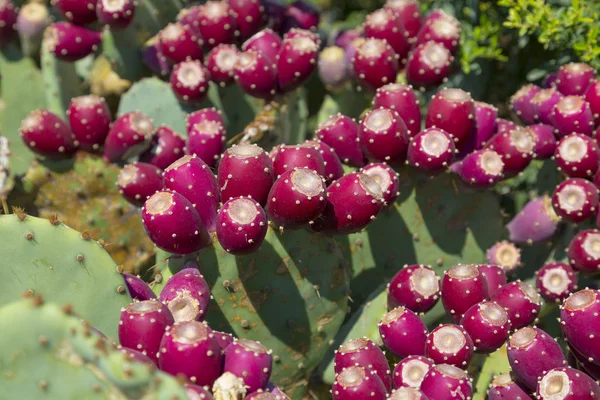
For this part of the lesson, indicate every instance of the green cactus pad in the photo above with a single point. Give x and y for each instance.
(290, 296)
(50, 259)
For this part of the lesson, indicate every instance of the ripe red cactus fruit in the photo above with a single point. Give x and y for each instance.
(573, 79)
(409, 12)
(241, 226)
(485, 124)
(206, 114)
(567, 384)
(265, 42)
(186, 294)
(386, 25)
(341, 133)
(142, 326)
(462, 287)
(450, 344)
(531, 353)
(403, 332)
(245, 170)
(353, 201)
(173, 224)
(216, 23)
(444, 381)
(333, 166)
(220, 63)
(206, 140)
(579, 323)
(555, 281)
(46, 134)
(249, 16)
(577, 156)
(515, 147)
(495, 277)
(154, 59)
(301, 14)
(137, 288)
(386, 178)
(505, 254)
(384, 136)
(179, 43)
(129, 136)
(504, 125)
(506, 387)
(195, 392)
(482, 168)
(428, 65)
(358, 382)
(167, 147)
(575, 200)
(256, 74)
(79, 12)
(117, 14)
(584, 252)
(488, 326)
(407, 393)
(592, 97)
(192, 178)
(138, 181)
(8, 19)
(410, 371)
(189, 81)
(545, 141)
(572, 114)
(296, 198)
(69, 42)
(297, 60)
(416, 287)
(521, 301)
(536, 222)
(289, 158)
(402, 99)
(333, 67)
(543, 102)
(431, 150)
(375, 63)
(452, 110)
(520, 102)
(583, 363)
(190, 349)
(444, 30)
(363, 352)
(250, 361)
(89, 119)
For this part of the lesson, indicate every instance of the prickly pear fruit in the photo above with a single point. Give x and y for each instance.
(536, 222)
(333, 67)
(179, 43)
(462, 287)
(515, 147)
(341, 133)
(137, 288)
(167, 147)
(443, 381)
(333, 166)
(403, 332)
(265, 42)
(117, 14)
(567, 384)
(495, 277)
(195, 392)
(410, 371)
(256, 74)
(428, 64)
(521, 103)
(521, 301)
(364, 353)
(572, 114)
(216, 23)
(416, 287)
(386, 178)
(504, 254)
(130, 135)
(577, 156)
(249, 16)
(46, 134)
(452, 110)
(545, 141)
(384, 136)
(409, 13)
(450, 344)
(296, 61)
(592, 96)
(89, 119)
(506, 387)
(431, 150)
(375, 63)
(482, 168)
(250, 361)
(575, 200)
(79, 12)
(356, 382)
(485, 123)
(574, 78)
(402, 99)
(186, 294)
(220, 63)
(8, 19)
(189, 81)
(584, 252)
(204, 115)
(444, 30)
(488, 326)
(69, 42)
(384, 24)
(289, 158)
(555, 281)
(579, 322)
(543, 103)
(301, 14)
(241, 225)
(138, 181)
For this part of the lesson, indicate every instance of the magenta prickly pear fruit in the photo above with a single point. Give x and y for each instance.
(245, 170)
(333, 166)
(173, 224)
(206, 140)
(193, 179)
(555, 281)
(495, 277)
(46, 134)
(358, 382)
(189, 17)
(333, 66)
(506, 387)
(573, 79)
(403, 332)
(195, 392)
(584, 252)
(224, 339)
(409, 13)
(346, 36)
(341, 133)
(450, 344)
(186, 294)
(250, 361)
(353, 201)
(592, 96)
(289, 158)
(416, 287)
(138, 181)
(137, 288)
(444, 30)
(572, 114)
(567, 384)
(515, 147)
(142, 326)
(579, 323)
(402, 99)
(216, 23)
(384, 136)
(301, 14)
(241, 226)
(521, 301)
(297, 197)
(265, 42)
(577, 156)
(536, 222)
(549, 80)
(189, 81)
(135, 356)
(428, 64)
(386, 178)
(452, 110)
(531, 353)
(505, 254)
(488, 326)
(89, 118)
(32, 20)
(504, 125)
(117, 14)
(410, 371)
(446, 382)
(256, 74)
(575, 200)
(482, 168)
(375, 63)
(69, 42)
(543, 102)
(167, 147)
(190, 349)
(545, 141)
(386, 25)
(249, 16)
(520, 102)
(8, 19)
(220, 63)
(154, 58)
(485, 123)
(279, 395)
(462, 287)
(297, 61)
(129, 136)
(364, 353)
(179, 43)
(79, 12)
(407, 393)
(431, 150)
(206, 114)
